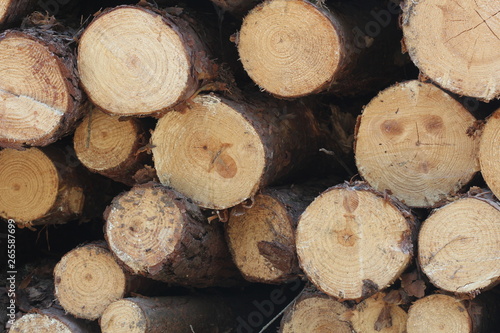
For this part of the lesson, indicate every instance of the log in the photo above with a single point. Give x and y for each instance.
(157, 232)
(435, 33)
(315, 312)
(226, 150)
(261, 236)
(416, 142)
(38, 187)
(353, 241)
(295, 48)
(40, 99)
(489, 155)
(142, 61)
(111, 146)
(12, 11)
(180, 314)
(459, 245)
(52, 320)
(448, 314)
(88, 278)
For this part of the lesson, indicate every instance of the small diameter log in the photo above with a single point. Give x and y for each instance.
(37, 187)
(12, 11)
(52, 320)
(138, 61)
(180, 314)
(435, 32)
(39, 95)
(353, 241)
(261, 238)
(489, 154)
(316, 312)
(224, 150)
(376, 315)
(295, 48)
(157, 232)
(416, 142)
(110, 146)
(448, 314)
(87, 279)
(459, 245)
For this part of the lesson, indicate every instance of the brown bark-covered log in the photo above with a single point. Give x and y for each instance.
(40, 99)
(38, 187)
(52, 320)
(236, 7)
(295, 48)
(12, 11)
(489, 154)
(448, 314)
(353, 241)
(416, 142)
(180, 314)
(225, 150)
(112, 147)
(141, 61)
(88, 278)
(316, 312)
(261, 236)
(459, 245)
(435, 32)
(157, 232)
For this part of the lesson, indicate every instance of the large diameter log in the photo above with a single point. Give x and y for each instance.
(88, 278)
(224, 151)
(448, 314)
(180, 314)
(37, 187)
(261, 238)
(435, 32)
(110, 146)
(459, 245)
(353, 241)
(295, 48)
(416, 142)
(39, 95)
(138, 61)
(157, 232)
(52, 320)
(12, 11)
(489, 153)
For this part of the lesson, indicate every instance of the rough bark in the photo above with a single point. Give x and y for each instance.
(12, 11)
(416, 142)
(353, 241)
(157, 232)
(341, 48)
(489, 154)
(41, 100)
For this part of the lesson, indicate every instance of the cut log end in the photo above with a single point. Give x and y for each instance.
(262, 241)
(351, 242)
(217, 158)
(134, 61)
(87, 279)
(376, 315)
(459, 246)
(489, 154)
(124, 314)
(413, 141)
(435, 33)
(439, 313)
(36, 322)
(30, 184)
(280, 35)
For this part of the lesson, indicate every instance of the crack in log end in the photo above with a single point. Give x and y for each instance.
(369, 288)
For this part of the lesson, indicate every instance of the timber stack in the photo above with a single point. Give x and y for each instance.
(250, 166)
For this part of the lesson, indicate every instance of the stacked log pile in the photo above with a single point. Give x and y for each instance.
(300, 166)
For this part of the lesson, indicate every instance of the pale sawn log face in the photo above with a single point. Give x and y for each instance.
(489, 153)
(413, 141)
(353, 242)
(457, 46)
(52, 320)
(459, 246)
